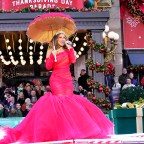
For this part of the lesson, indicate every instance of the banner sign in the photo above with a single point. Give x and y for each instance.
(20, 4)
(0, 4)
(132, 32)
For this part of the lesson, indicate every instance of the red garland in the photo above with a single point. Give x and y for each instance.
(98, 67)
(135, 68)
(96, 85)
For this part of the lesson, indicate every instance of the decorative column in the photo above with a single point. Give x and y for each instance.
(98, 57)
(114, 24)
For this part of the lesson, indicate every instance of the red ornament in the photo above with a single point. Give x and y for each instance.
(98, 64)
(92, 80)
(93, 98)
(32, 9)
(93, 86)
(90, 41)
(88, 83)
(131, 68)
(100, 89)
(107, 93)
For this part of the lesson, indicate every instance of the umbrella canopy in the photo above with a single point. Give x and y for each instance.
(43, 28)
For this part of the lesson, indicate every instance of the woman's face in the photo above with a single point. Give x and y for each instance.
(61, 39)
(21, 95)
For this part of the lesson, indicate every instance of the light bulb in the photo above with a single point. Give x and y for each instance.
(41, 47)
(82, 49)
(103, 35)
(76, 38)
(74, 44)
(20, 47)
(41, 53)
(111, 35)
(9, 47)
(11, 57)
(77, 56)
(20, 53)
(20, 40)
(84, 44)
(40, 57)
(21, 57)
(79, 52)
(31, 62)
(7, 40)
(106, 28)
(31, 53)
(10, 53)
(2, 57)
(31, 41)
(31, 57)
(30, 47)
(116, 36)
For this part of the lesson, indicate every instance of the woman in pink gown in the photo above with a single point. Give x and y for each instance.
(60, 115)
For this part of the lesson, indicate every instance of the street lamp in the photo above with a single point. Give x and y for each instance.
(110, 41)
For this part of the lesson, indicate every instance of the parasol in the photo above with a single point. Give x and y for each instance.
(43, 28)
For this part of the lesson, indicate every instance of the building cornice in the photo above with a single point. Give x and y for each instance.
(84, 20)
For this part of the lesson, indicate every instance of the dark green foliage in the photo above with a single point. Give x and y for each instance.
(131, 94)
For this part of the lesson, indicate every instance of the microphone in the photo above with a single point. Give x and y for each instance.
(68, 42)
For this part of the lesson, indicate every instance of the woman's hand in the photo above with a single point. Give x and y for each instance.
(68, 44)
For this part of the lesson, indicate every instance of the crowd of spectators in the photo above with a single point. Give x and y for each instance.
(17, 102)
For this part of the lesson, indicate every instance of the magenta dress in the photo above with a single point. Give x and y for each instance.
(60, 115)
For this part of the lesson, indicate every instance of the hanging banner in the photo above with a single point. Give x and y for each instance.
(0, 4)
(20, 4)
(132, 32)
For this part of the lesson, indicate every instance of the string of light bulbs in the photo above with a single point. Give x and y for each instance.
(9, 50)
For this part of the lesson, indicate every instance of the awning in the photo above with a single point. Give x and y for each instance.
(136, 58)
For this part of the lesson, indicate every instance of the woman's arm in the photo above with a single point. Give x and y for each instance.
(49, 59)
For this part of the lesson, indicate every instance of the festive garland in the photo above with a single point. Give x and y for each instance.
(54, 9)
(135, 68)
(96, 85)
(98, 67)
(95, 46)
(135, 10)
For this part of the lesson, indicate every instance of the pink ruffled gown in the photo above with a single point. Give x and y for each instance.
(60, 115)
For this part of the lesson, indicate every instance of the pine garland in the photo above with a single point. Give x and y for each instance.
(96, 85)
(135, 68)
(135, 10)
(97, 47)
(55, 9)
(98, 67)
